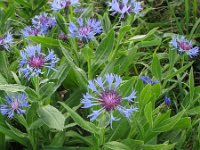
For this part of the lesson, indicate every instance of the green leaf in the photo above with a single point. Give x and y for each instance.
(2, 79)
(85, 139)
(191, 85)
(24, 3)
(127, 87)
(172, 58)
(143, 37)
(194, 111)
(88, 12)
(114, 145)
(103, 51)
(106, 22)
(9, 12)
(138, 144)
(122, 129)
(32, 116)
(46, 41)
(87, 52)
(164, 146)
(47, 90)
(12, 87)
(10, 133)
(154, 42)
(148, 113)
(145, 96)
(52, 117)
(156, 68)
(168, 124)
(61, 23)
(58, 139)
(79, 74)
(32, 94)
(178, 71)
(79, 120)
(183, 123)
(4, 64)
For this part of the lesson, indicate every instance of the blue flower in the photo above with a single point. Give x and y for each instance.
(44, 21)
(85, 30)
(61, 4)
(148, 80)
(103, 93)
(14, 105)
(33, 61)
(32, 31)
(125, 7)
(6, 40)
(184, 46)
(167, 101)
(79, 10)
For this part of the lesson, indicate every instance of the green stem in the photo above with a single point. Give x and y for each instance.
(37, 85)
(102, 138)
(89, 70)
(74, 51)
(135, 69)
(2, 142)
(180, 84)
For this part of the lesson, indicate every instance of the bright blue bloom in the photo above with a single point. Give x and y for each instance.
(14, 105)
(33, 61)
(125, 7)
(167, 101)
(6, 40)
(85, 30)
(103, 93)
(61, 4)
(148, 80)
(44, 21)
(184, 46)
(79, 10)
(32, 31)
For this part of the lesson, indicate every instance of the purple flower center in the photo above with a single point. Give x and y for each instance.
(62, 36)
(85, 30)
(44, 20)
(37, 61)
(110, 99)
(65, 4)
(185, 45)
(15, 105)
(34, 31)
(1, 40)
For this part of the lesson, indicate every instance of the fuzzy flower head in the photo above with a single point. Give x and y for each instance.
(32, 31)
(148, 80)
(123, 7)
(85, 30)
(61, 4)
(14, 105)
(103, 93)
(184, 46)
(6, 40)
(167, 101)
(44, 21)
(33, 62)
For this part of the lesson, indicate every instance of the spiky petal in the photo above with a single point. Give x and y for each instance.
(33, 62)
(103, 93)
(14, 105)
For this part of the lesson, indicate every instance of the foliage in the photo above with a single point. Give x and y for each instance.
(131, 46)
